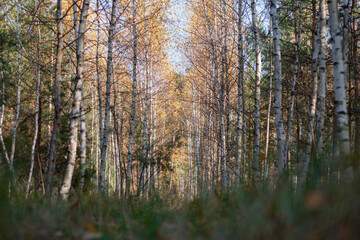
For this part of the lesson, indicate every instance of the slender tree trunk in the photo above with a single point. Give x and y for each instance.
(312, 107)
(269, 106)
(133, 101)
(75, 114)
(18, 96)
(32, 160)
(320, 119)
(240, 81)
(255, 25)
(339, 80)
(345, 42)
(57, 99)
(356, 76)
(98, 80)
(3, 101)
(50, 95)
(82, 143)
(144, 161)
(109, 70)
(280, 156)
(221, 89)
(292, 94)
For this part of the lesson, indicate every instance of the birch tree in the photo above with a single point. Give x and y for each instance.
(109, 70)
(280, 156)
(266, 168)
(37, 77)
(240, 81)
(75, 113)
(51, 155)
(133, 100)
(320, 118)
(293, 85)
(144, 161)
(355, 59)
(255, 26)
(342, 127)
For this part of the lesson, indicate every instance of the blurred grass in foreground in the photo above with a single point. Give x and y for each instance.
(319, 210)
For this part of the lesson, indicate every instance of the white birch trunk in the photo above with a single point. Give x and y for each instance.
(240, 82)
(98, 80)
(75, 113)
(255, 26)
(345, 41)
(82, 143)
(280, 156)
(320, 119)
(133, 102)
(144, 161)
(266, 168)
(3, 101)
(312, 107)
(57, 99)
(342, 127)
(109, 70)
(32, 159)
(355, 59)
(292, 94)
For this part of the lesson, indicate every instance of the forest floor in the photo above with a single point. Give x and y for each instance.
(320, 210)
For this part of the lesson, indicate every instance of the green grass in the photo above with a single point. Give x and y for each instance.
(327, 211)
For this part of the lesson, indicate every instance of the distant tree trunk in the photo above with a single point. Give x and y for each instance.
(57, 99)
(221, 90)
(109, 70)
(320, 119)
(75, 114)
(240, 81)
(18, 95)
(82, 143)
(355, 59)
(92, 130)
(144, 161)
(280, 156)
(133, 101)
(208, 143)
(116, 146)
(345, 47)
(50, 99)
(197, 142)
(269, 106)
(312, 107)
(38, 82)
(345, 42)
(98, 76)
(255, 26)
(3, 100)
(339, 80)
(292, 94)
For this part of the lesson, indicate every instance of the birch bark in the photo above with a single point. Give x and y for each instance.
(342, 127)
(32, 160)
(133, 101)
(266, 168)
(255, 25)
(240, 80)
(320, 118)
(75, 113)
(109, 70)
(314, 90)
(144, 161)
(57, 99)
(292, 94)
(280, 156)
